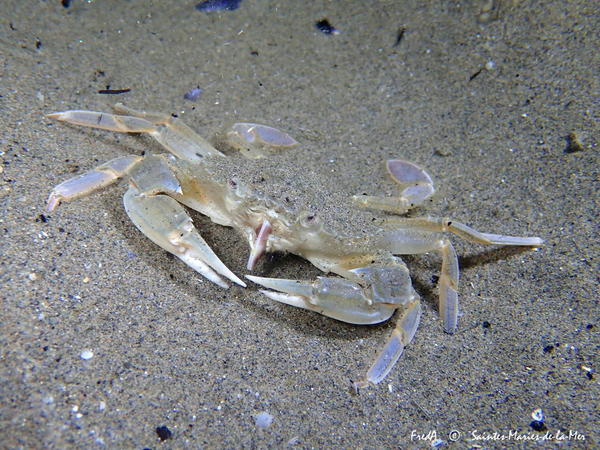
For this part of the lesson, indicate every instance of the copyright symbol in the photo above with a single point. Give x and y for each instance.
(454, 435)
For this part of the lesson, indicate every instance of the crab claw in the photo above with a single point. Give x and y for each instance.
(346, 301)
(166, 223)
(291, 292)
(333, 297)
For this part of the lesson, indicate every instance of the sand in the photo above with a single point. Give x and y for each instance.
(105, 337)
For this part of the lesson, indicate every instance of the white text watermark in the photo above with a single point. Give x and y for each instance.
(511, 435)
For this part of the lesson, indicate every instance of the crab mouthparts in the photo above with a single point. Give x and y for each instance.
(260, 244)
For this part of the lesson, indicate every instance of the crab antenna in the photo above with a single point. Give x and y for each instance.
(260, 244)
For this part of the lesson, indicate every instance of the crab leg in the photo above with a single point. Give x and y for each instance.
(173, 134)
(415, 241)
(448, 286)
(255, 133)
(446, 224)
(104, 121)
(419, 235)
(164, 221)
(91, 181)
(403, 334)
(416, 184)
(254, 140)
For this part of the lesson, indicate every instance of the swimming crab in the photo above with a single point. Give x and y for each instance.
(372, 282)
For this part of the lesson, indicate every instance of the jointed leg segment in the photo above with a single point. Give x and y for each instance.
(91, 181)
(446, 224)
(416, 187)
(173, 134)
(448, 286)
(403, 334)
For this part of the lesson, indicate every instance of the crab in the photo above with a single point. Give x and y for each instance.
(371, 282)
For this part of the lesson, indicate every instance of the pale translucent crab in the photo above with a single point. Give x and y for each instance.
(372, 282)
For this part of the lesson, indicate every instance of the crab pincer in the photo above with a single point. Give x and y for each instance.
(374, 294)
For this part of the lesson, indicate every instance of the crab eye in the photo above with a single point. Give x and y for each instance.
(309, 220)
